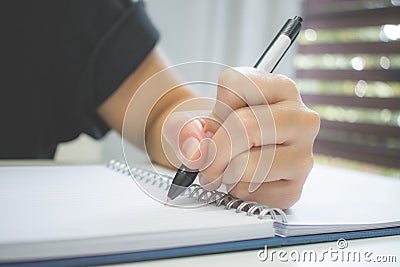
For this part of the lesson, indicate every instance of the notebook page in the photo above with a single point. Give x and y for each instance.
(47, 204)
(346, 197)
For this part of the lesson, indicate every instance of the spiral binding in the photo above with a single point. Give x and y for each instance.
(200, 194)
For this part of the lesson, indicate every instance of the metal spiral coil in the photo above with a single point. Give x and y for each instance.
(200, 194)
(140, 174)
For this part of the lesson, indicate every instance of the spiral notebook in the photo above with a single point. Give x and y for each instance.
(97, 214)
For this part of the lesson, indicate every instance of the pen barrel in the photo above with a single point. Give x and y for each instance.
(279, 45)
(274, 54)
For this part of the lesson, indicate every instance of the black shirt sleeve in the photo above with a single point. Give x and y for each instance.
(60, 60)
(118, 53)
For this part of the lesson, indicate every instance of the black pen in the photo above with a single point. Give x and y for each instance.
(184, 177)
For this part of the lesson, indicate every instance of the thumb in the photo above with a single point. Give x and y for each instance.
(184, 131)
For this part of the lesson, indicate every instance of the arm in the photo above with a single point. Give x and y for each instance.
(112, 111)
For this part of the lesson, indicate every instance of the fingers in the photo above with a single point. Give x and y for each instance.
(258, 126)
(264, 165)
(185, 134)
(241, 87)
(258, 138)
(269, 163)
(280, 194)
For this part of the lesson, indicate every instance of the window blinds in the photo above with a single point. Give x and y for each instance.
(348, 70)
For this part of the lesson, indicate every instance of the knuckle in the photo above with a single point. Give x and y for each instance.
(315, 121)
(227, 74)
(312, 120)
(288, 84)
(309, 120)
(228, 77)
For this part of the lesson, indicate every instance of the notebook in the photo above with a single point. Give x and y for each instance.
(95, 214)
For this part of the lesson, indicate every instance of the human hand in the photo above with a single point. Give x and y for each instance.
(257, 140)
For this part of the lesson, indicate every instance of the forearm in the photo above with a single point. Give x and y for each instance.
(142, 101)
(153, 136)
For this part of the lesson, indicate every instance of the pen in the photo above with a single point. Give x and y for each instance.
(184, 177)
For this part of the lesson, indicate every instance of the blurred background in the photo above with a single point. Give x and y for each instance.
(346, 63)
(231, 32)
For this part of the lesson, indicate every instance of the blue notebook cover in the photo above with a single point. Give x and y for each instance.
(209, 249)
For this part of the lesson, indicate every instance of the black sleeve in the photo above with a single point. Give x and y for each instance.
(62, 59)
(119, 51)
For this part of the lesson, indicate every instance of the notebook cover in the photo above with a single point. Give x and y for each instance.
(209, 249)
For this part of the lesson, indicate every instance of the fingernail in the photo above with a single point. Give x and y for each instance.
(209, 134)
(190, 148)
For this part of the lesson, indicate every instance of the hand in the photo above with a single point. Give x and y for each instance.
(257, 140)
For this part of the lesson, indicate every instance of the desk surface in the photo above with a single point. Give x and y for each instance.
(383, 249)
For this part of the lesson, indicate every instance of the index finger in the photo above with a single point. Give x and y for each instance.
(246, 86)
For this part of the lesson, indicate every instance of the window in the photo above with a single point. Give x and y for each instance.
(348, 70)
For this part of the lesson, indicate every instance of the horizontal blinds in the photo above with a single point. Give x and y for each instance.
(348, 70)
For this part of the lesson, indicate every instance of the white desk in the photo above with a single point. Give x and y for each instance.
(389, 247)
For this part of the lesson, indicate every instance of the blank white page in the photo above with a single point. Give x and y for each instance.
(335, 195)
(77, 203)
